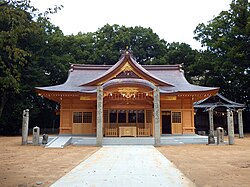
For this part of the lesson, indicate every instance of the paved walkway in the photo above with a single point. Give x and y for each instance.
(119, 166)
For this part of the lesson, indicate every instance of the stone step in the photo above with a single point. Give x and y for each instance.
(179, 140)
(169, 141)
(83, 141)
(59, 142)
(128, 141)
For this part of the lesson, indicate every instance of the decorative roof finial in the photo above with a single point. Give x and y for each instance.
(127, 51)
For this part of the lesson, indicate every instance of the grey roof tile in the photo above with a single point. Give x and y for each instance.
(217, 101)
(81, 74)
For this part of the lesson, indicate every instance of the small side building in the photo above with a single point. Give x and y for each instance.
(218, 105)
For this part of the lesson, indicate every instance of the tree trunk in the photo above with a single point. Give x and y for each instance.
(3, 101)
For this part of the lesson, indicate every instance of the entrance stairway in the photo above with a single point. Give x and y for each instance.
(165, 140)
(82, 140)
(62, 141)
(129, 141)
(59, 142)
(183, 139)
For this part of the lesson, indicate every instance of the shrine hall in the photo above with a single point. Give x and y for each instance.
(126, 100)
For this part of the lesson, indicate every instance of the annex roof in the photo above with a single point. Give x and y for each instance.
(85, 78)
(217, 101)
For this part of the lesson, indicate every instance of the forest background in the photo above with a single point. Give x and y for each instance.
(34, 52)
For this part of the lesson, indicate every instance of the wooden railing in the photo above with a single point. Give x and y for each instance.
(117, 125)
(111, 132)
(143, 132)
(127, 131)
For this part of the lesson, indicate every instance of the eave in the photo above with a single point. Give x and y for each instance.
(58, 96)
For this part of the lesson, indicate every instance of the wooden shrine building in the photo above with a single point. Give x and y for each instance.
(126, 99)
(216, 107)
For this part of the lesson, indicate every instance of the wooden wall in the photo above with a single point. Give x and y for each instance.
(74, 104)
(185, 106)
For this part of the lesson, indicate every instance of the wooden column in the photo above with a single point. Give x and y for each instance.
(99, 116)
(157, 132)
(230, 126)
(240, 123)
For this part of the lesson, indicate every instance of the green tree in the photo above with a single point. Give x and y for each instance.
(17, 34)
(34, 52)
(102, 46)
(201, 70)
(227, 37)
(183, 54)
(53, 57)
(24, 35)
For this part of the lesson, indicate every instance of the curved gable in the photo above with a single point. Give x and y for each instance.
(127, 65)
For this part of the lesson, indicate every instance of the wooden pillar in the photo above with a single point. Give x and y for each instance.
(99, 116)
(240, 123)
(230, 126)
(157, 133)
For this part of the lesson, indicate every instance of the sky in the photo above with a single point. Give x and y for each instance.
(171, 20)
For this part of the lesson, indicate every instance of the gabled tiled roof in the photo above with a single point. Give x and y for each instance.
(84, 78)
(217, 101)
(126, 59)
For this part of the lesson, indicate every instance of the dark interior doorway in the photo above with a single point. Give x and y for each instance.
(166, 122)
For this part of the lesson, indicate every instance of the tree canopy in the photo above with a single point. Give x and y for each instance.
(227, 39)
(23, 39)
(34, 52)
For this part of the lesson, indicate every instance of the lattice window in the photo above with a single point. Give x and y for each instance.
(77, 117)
(113, 116)
(132, 116)
(87, 117)
(176, 117)
(82, 117)
(122, 116)
(140, 114)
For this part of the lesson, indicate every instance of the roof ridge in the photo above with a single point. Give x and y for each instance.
(128, 58)
(162, 67)
(222, 97)
(228, 100)
(88, 66)
(106, 67)
(80, 65)
(168, 65)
